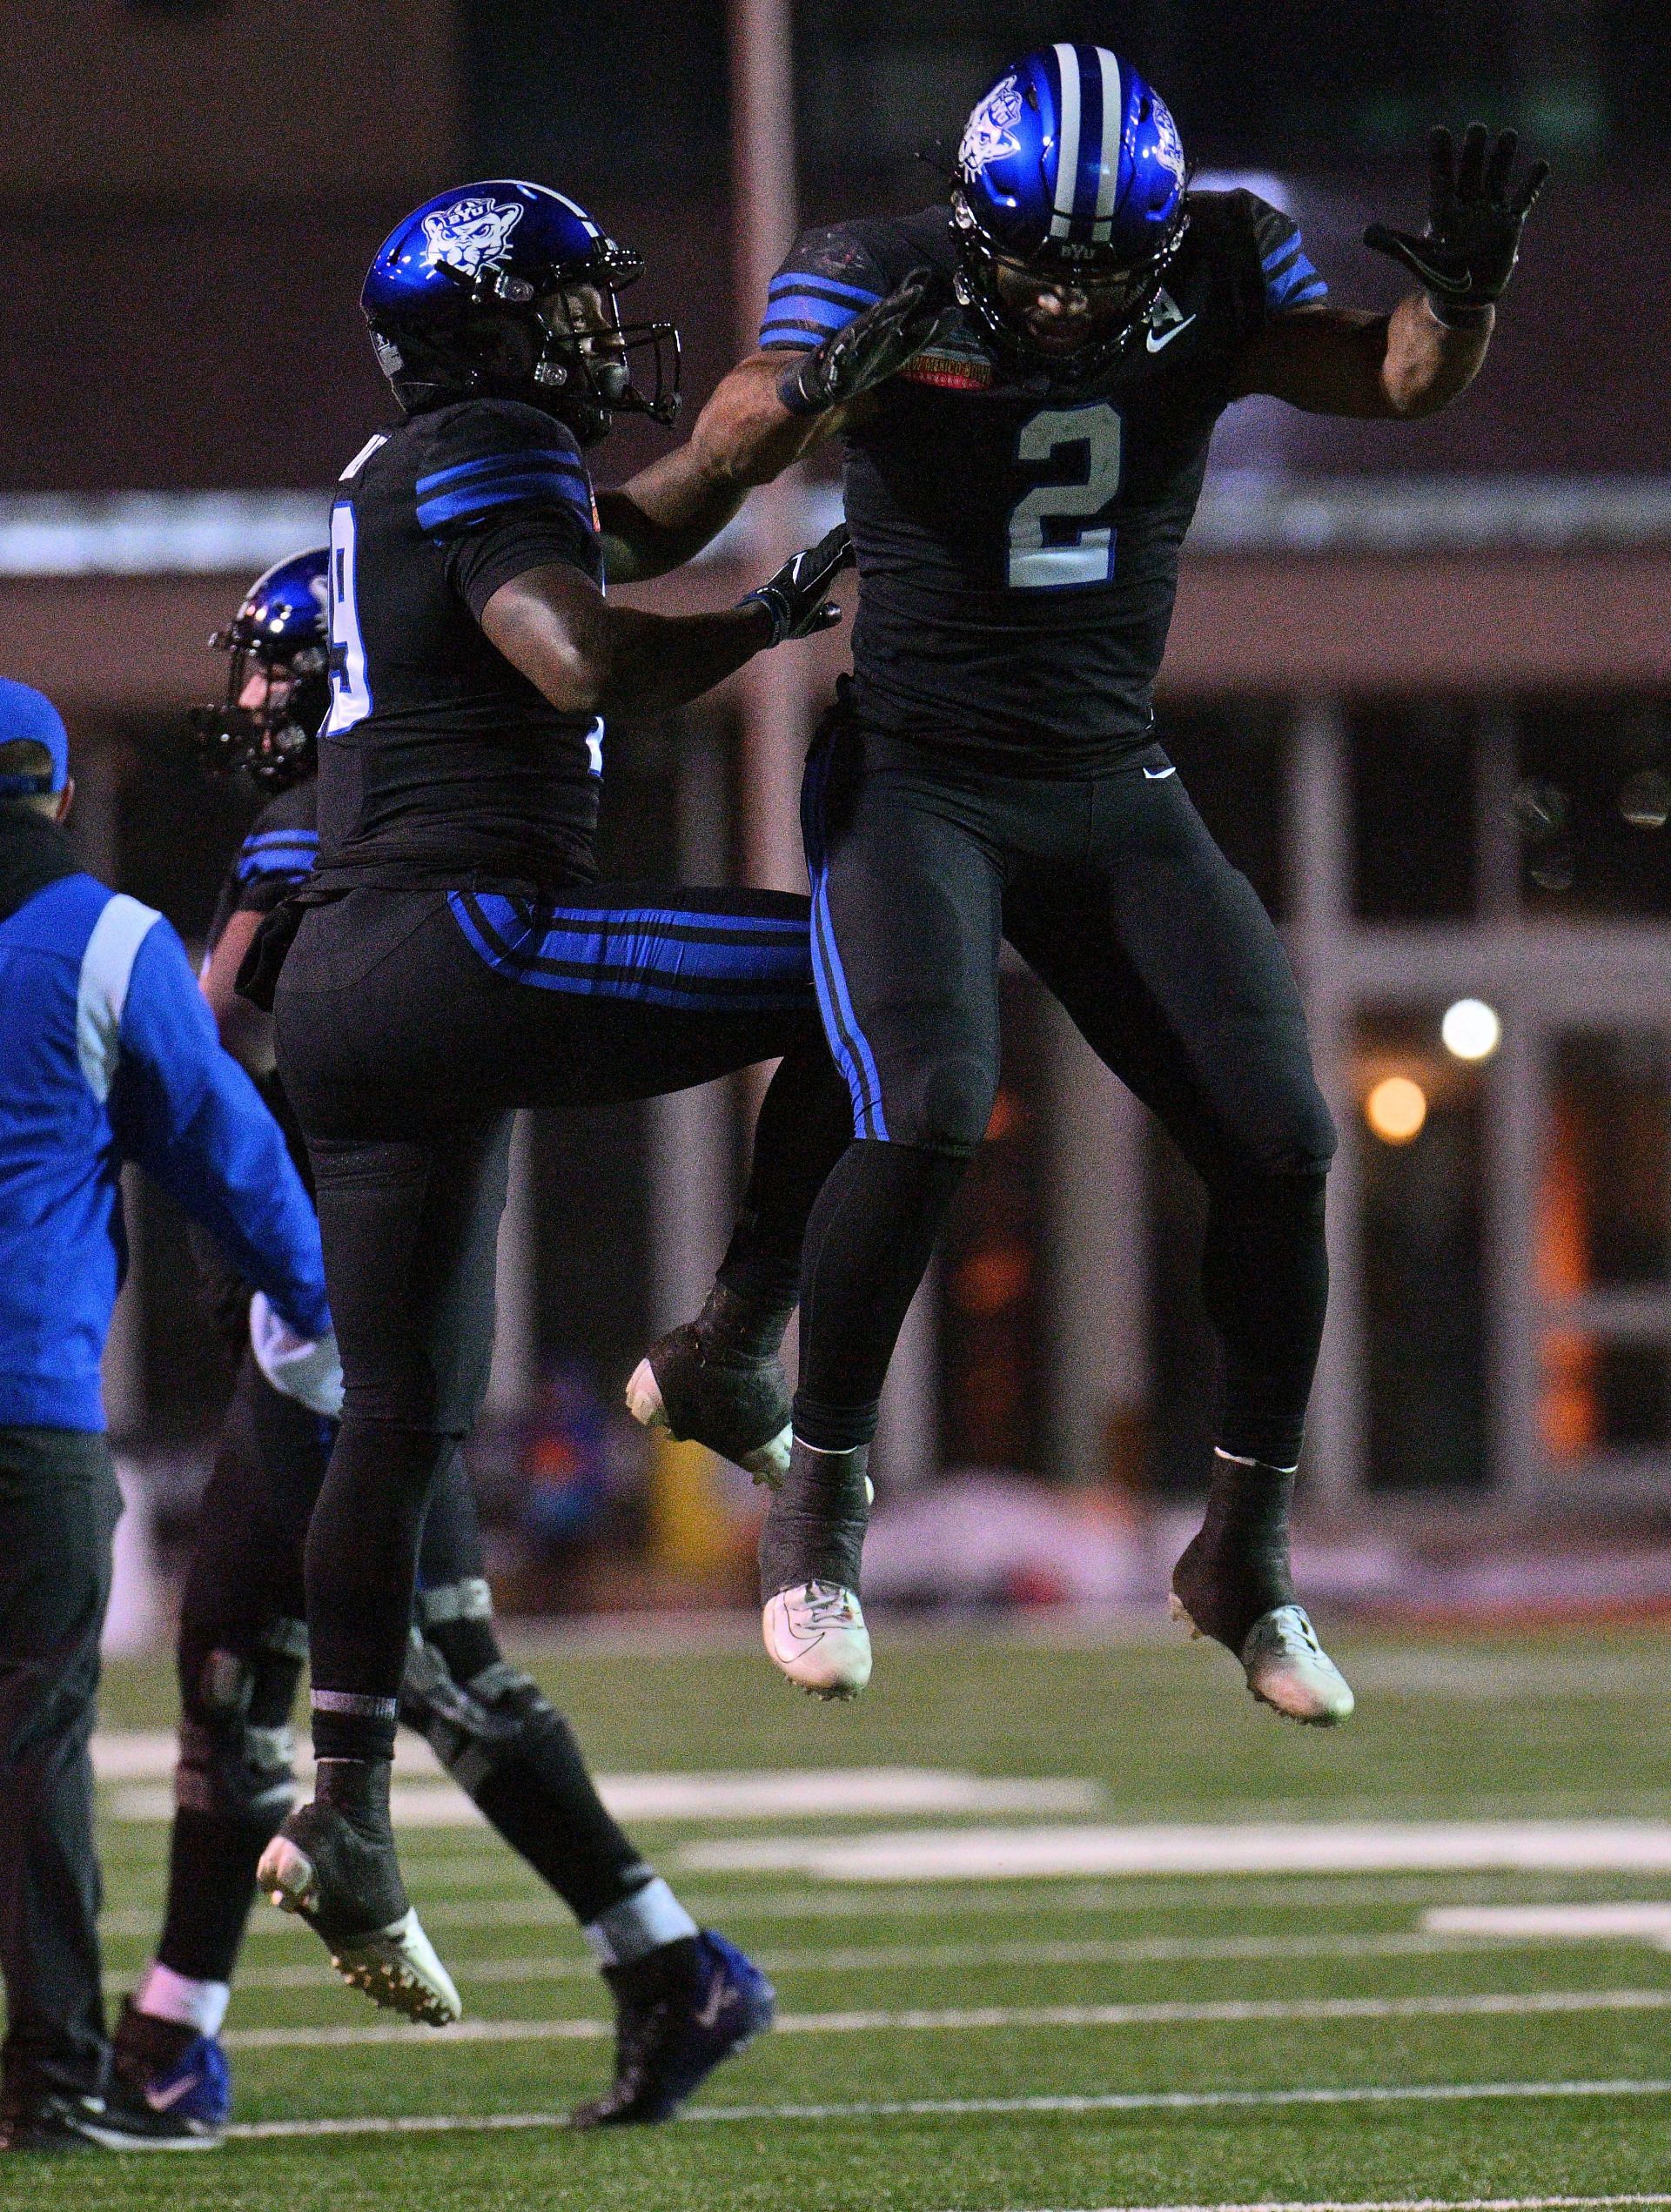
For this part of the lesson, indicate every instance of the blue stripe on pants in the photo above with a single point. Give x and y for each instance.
(848, 1045)
(712, 962)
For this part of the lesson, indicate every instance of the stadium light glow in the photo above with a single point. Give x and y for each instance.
(1471, 1029)
(1396, 1110)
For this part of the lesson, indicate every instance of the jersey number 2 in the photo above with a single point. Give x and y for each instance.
(351, 697)
(1088, 556)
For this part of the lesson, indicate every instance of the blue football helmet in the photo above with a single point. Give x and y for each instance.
(484, 290)
(281, 634)
(1070, 167)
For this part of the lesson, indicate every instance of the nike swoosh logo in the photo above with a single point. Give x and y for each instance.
(1157, 339)
(790, 1642)
(1158, 775)
(163, 2100)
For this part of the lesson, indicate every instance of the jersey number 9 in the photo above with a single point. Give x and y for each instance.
(351, 697)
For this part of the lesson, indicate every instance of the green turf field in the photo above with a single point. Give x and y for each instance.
(1074, 2040)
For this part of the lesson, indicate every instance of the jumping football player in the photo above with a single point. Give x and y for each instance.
(1020, 471)
(242, 1638)
(454, 959)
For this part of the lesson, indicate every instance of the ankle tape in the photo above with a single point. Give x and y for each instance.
(815, 1530)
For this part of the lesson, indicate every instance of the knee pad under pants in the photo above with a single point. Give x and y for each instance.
(236, 1750)
(476, 1728)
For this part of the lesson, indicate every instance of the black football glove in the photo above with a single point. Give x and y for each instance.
(1466, 255)
(797, 597)
(870, 348)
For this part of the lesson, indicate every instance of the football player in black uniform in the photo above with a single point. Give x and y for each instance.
(452, 958)
(242, 1638)
(1026, 383)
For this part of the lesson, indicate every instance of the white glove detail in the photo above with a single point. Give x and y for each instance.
(305, 1368)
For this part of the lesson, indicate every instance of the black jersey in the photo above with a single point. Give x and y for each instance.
(1017, 533)
(279, 852)
(439, 763)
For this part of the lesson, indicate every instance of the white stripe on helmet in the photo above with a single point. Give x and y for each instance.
(1108, 183)
(1067, 141)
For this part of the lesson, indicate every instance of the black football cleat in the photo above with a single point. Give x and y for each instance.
(333, 1863)
(120, 2120)
(680, 2012)
(705, 1382)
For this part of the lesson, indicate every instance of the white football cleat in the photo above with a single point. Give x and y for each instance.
(815, 1634)
(1286, 1667)
(1289, 1670)
(397, 1967)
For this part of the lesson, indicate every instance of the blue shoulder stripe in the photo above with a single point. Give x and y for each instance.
(1305, 296)
(796, 280)
(295, 864)
(1301, 281)
(533, 484)
(802, 310)
(260, 838)
(1292, 244)
(486, 463)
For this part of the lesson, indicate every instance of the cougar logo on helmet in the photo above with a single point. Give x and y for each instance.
(1169, 147)
(990, 136)
(471, 233)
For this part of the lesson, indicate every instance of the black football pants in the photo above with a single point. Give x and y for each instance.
(410, 1026)
(59, 1505)
(1111, 888)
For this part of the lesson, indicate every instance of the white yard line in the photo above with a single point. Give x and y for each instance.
(143, 1762)
(1256, 1847)
(965, 2018)
(1640, 1921)
(966, 2107)
(879, 1957)
(1407, 2204)
(753, 1903)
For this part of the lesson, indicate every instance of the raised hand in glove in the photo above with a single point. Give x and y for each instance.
(870, 348)
(1466, 255)
(797, 597)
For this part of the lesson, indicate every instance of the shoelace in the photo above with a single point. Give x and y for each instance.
(1297, 1633)
(827, 1605)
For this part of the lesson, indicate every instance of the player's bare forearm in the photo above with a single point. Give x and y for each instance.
(1351, 361)
(589, 658)
(664, 516)
(744, 436)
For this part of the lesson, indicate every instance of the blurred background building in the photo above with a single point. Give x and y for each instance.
(1420, 683)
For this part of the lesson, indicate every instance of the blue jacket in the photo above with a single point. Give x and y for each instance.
(107, 1054)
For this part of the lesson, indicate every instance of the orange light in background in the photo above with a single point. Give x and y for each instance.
(1396, 1110)
(1569, 1402)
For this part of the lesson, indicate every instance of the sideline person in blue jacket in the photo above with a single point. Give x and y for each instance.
(107, 1054)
